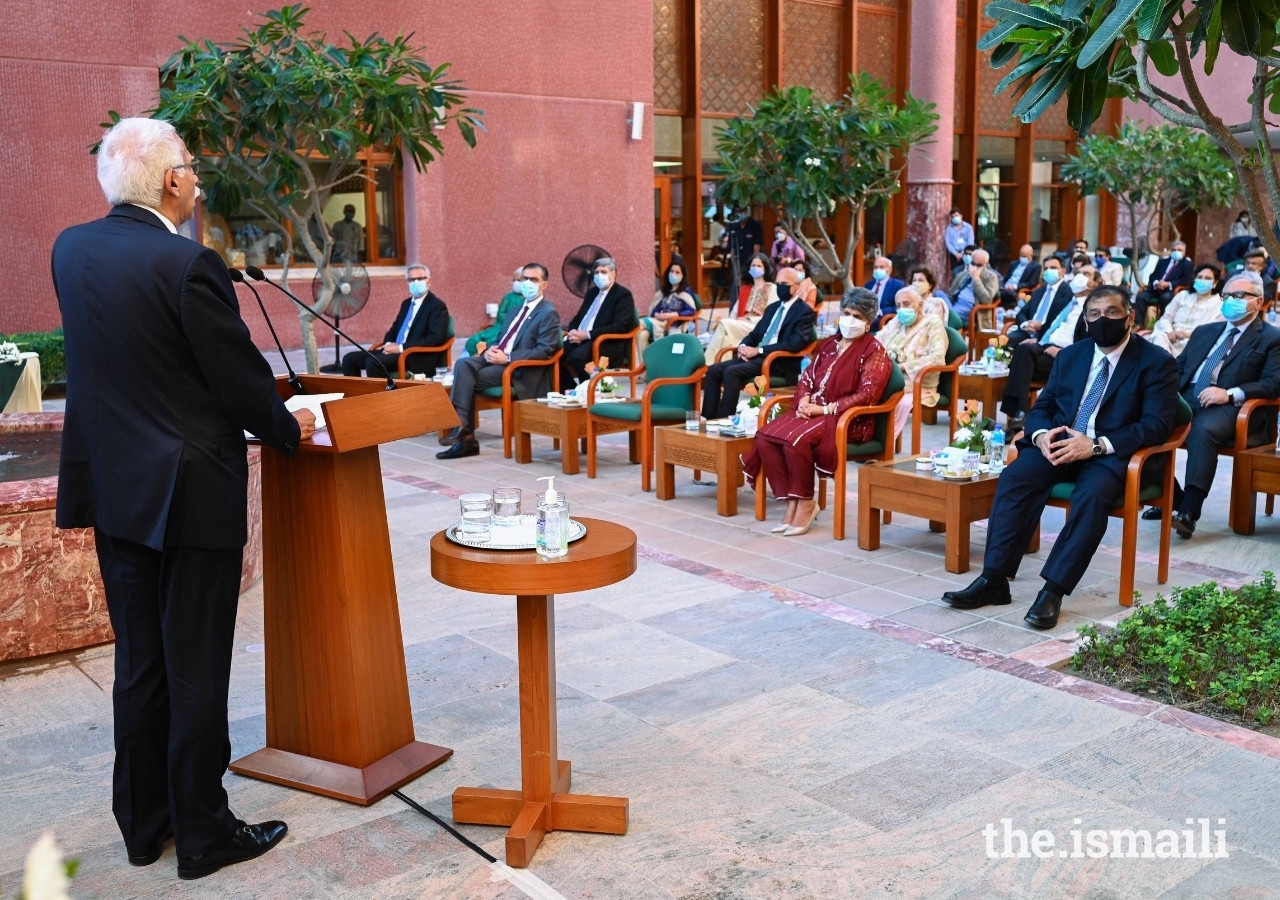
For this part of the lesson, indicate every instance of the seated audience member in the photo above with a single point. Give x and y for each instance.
(607, 308)
(1080, 248)
(1172, 273)
(1108, 396)
(787, 324)
(1033, 358)
(510, 301)
(1079, 261)
(806, 290)
(533, 332)
(1222, 366)
(1189, 310)
(1045, 303)
(914, 340)
(926, 285)
(977, 284)
(1023, 275)
(423, 321)
(965, 261)
(884, 285)
(753, 297)
(785, 250)
(849, 369)
(1110, 272)
(673, 299)
(1256, 261)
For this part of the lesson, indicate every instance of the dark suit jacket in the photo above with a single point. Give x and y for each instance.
(1253, 365)
(1178, 274)
(430, 328)
(617, 316)
(162, 382)
(1137, 409)
(891, 287)
(1060, 298)
(1030, 275)
(539, 338)
(795, 334)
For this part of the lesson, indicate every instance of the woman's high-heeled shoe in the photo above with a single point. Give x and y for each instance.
(779, 529)
(797, 530)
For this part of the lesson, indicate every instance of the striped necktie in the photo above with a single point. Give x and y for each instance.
(511, 332)
(1093, 398)
(1215, 359)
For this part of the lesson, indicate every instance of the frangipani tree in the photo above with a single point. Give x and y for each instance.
(1089, 50)
(263, 111)
(811, 161)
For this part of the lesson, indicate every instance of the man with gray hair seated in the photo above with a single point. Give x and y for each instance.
(422, 321)
(607, 308)
(1223, 365)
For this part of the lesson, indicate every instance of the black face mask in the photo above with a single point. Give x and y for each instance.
(784, 292)
(1108, 332)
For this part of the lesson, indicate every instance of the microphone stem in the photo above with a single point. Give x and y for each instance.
(294, 381)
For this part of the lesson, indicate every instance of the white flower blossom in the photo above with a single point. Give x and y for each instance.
(9, 352)
(45, 877)
(963, 437)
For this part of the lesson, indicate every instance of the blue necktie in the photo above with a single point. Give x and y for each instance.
(1062, 316)
(1046, 302)
(1093, 398)
(1215, 358)
(408, 320)
(771, 333)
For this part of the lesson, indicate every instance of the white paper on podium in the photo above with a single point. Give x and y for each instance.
(307, 401)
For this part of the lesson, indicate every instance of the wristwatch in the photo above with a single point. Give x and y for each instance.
(1097, 447)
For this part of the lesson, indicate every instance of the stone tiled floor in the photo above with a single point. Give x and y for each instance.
(790, 718)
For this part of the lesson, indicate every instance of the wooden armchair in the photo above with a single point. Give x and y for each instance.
(676, 321)
(637, 365)
(1129, 506)
(982, 326)
(446, 348)
(674, 383)
(1268, 408)
(948, 390)
(778, 384)
(503, 396)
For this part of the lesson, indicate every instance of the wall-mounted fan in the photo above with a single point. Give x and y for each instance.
(577, 268)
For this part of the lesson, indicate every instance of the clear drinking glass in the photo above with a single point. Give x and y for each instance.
(506, 506)
(692, 420)
(477, 515)
(441, 374)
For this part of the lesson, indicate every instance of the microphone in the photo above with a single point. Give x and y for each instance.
(258, 275)
(294, 381)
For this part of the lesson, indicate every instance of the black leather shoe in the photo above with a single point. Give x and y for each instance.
(464, 447)
(1152, 513)
(1014, 425)
(1184, 524)
(248, 842)
(150, 856)
(451, 438)
(1044, 612)
(981, 593)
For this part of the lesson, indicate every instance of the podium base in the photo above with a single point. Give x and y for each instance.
(363, 786)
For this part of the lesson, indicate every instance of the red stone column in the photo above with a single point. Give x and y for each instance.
(933, 68)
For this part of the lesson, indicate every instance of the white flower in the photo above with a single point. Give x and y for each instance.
(45, 878)
(9, 352)
(963, 436)
(812, 161)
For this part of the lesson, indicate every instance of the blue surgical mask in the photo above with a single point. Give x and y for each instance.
(879, 274)
(756, 272)
(529, 289)
(1051, 276)
(1202, 285)
(967, 259)
(956, 220)
(1175, 255)
(906, 317)
(675, 278)
(601, 280)
(418, 288)
(1234, 310)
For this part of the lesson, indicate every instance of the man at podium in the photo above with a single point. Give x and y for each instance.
(162, 382)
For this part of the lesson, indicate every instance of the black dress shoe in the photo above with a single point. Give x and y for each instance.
(150, 856)
(1044, 612)
(980, 593)
(451, 438)
(464, 447)
(1014, 424)
(248, 842)
(1184, 524)
(1152, 513)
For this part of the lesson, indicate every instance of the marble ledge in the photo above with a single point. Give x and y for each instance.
(25, 423)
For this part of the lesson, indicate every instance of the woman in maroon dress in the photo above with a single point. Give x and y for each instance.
(849, 369)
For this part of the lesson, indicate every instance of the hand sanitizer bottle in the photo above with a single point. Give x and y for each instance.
(552, 521)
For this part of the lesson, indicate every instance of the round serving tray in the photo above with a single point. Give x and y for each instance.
(522, 536)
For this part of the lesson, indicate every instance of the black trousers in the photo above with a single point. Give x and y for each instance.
(174, 615)
(723, 384)
(1028, 363)
(357, 362)
(1020, 498)
(1145, 300)
(573, 365)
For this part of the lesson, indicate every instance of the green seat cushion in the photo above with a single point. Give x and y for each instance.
(870, 448)
(1064, 489)
(780, 381)
(495, 392)
(630, 412)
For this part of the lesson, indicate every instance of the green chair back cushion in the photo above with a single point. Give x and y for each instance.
(449, 332)
(876, 445)
(956, 348)
(953, 321)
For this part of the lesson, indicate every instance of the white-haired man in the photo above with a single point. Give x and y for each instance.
(162, 382)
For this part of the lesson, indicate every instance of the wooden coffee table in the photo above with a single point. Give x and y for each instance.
(950, 506)
(985, 390)
(1256, 471)
(568, 425)
(605, 556)
(677, 446)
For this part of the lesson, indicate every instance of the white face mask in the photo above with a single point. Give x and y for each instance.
(852, 327)
(1079, 283)
(515, 286)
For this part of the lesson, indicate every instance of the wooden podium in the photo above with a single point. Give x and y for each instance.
(338, 716)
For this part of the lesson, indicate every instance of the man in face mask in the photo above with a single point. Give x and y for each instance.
(787, 324)
(884, 286)
(1222, 366)
(1106, 398)
(978, 284)
(512, 300)
(957, 236)
(607, 308)
(1045, 303)
(1172, 274)
(423, 321)
(1033, 358)
(1023, 275)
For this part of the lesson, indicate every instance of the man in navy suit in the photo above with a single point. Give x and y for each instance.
(787, 324)
(1222, 366)
(884, 286)
(162, 382)
(1107, 396)
(1173, 273)
(422, 321)
(1023, 275)
(1045, 303)
(607, 308)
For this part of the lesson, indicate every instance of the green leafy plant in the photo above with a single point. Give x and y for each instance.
(50, 346)
(1156, 174)
(813, 161)
(1207, 647)
(261, 110)
(1089, 50)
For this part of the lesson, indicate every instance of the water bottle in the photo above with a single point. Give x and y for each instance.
(989, 357)
(999, 319)
(995, 461)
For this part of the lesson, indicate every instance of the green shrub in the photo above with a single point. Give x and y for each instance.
(53, 357)
(1206, 646)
